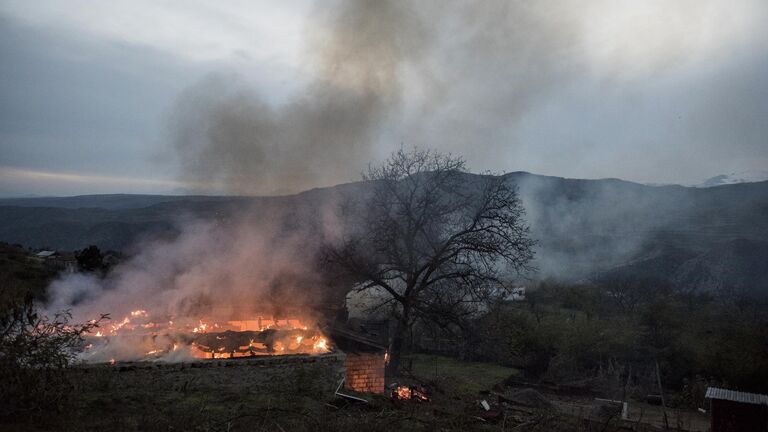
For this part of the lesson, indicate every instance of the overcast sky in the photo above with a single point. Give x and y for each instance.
(119, 96)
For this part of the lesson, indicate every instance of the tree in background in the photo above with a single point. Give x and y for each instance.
(90, 259)
(433, 240)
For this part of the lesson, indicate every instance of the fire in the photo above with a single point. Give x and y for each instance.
(141, 338)
(402, 392)
(321, 344)
(116, 327)
(201, 328)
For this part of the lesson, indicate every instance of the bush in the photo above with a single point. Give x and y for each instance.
(34, 352)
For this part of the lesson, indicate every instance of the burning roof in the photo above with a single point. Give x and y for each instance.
(139, 337)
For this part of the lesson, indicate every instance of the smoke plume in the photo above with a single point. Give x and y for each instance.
(229, 136)
(447, 75)
(451, 75)
(247, 262)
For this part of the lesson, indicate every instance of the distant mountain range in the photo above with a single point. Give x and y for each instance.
(709, 238)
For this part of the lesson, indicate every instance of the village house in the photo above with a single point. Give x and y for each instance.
(735, 411)
(61, 261)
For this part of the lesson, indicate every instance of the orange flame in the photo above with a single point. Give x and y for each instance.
(321, 344)
(208, 338)
(408, 392)
(404, 392)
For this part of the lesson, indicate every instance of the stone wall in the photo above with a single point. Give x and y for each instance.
(245, 374)
(365, 372)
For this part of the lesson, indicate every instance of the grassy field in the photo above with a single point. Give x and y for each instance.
(461, 377)
(242, 396)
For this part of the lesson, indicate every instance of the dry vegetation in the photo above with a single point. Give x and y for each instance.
(289, 396)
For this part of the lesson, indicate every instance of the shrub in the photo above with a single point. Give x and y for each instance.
(34, 352)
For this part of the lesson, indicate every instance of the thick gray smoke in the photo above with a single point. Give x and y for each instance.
(245, 263)
(478, 79)
(227, 135)
(447, 75)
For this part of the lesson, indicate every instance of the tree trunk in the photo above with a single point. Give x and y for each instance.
(396, 344)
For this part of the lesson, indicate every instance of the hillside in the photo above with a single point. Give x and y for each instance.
(20, 275)
(738, 267)
(584, 227)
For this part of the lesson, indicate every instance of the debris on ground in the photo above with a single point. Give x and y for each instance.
(348, 397)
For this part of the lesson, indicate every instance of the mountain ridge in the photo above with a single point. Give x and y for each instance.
(585, 227)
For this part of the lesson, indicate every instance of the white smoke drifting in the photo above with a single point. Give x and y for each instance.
(243, 265)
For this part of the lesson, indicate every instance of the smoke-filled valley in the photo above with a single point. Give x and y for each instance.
(587, 229)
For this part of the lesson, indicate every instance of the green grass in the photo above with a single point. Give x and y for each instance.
(466, 377)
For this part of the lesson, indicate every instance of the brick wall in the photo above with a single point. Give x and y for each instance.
(365, 372)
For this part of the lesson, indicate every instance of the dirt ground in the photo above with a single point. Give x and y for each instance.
(282, 394)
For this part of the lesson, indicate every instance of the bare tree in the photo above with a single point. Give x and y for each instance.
(433, 239)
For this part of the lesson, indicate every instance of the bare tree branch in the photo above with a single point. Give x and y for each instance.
(434, 238)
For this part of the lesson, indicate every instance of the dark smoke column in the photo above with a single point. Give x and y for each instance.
(228, 137)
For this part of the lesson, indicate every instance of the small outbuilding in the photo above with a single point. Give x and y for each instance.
(365, 347)
(735, 411)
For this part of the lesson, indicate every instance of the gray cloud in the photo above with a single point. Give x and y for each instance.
(651, 91)
(227, 134)
(62, 110)
(510, 85)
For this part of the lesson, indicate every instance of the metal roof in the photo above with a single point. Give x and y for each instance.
(736, 396)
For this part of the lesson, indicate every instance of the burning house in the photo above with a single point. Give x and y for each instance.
(247, 288)
(141, 337)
